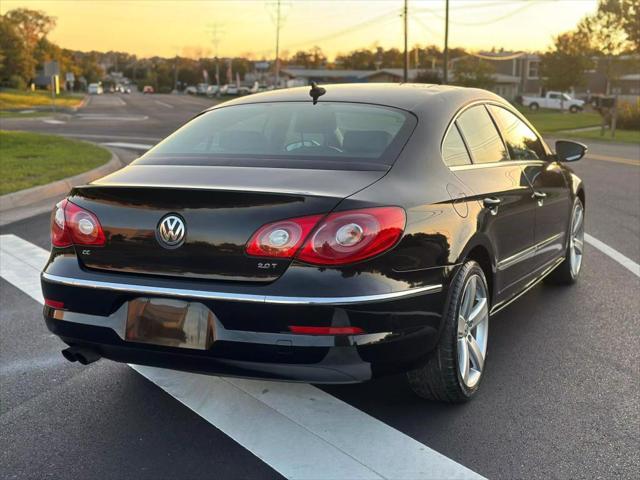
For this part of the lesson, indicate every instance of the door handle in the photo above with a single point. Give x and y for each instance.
(539, 196)
(492, 204)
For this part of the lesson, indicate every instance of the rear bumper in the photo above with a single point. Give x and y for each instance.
(286, 357)
(251, 337)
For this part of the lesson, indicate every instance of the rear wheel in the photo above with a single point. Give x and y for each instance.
(568, 271)
(534, 106)
(454, 370)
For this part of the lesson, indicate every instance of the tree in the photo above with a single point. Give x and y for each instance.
(622, 20)
(612, 30)
(31, 26)
(12, 55)
(473, 72)
(564, 66)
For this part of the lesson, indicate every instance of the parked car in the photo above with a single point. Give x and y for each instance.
(406, 218)
(554, 101)
(232, 89)
(201, 88)
(95, 89)
(126, 90)
(148, 89)
(212, 90)
(191, 90)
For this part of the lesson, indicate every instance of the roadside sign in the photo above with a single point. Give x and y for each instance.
(51, 68)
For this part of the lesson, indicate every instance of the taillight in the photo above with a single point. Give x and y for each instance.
(338, 239)
(59, 234)
(73, 225)
(281, 239)
(352, 236)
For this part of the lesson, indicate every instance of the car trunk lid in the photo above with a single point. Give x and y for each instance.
(221, 208)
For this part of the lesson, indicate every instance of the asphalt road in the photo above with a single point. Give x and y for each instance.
(560, 398)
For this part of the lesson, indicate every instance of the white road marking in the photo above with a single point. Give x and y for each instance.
(166, 105)
(623, 260)
(53, 122)
(299, 430)
(106, 116)
(21, 263)
(132, 146)
(109, 137)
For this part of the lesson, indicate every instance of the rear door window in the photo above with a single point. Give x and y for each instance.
(454, 151)
(522, 142)
(481, 136)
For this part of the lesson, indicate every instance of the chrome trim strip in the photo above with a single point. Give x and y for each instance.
(506, 163)
(500, 306)
(527, 252)
(237, 297)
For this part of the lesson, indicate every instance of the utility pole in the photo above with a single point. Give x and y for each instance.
(278, 44)
(406, 38)
(175, 73)
(216, 31)
(445, 70)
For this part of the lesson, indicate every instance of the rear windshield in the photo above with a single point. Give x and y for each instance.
(289, 134)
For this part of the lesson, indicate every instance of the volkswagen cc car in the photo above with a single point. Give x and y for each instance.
(326, 236)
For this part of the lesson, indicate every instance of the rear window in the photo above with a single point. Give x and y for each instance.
(290, 134)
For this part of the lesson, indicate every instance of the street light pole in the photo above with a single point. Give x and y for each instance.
(406, 35)
(445, 70)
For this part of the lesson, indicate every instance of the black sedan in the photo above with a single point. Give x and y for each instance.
(329, 235)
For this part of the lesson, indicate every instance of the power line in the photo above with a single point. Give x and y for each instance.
(359, 26)
(482, 22)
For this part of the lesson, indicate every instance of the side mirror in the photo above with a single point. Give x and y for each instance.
(568, 151)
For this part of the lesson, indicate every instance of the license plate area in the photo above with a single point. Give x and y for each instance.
(171, 323)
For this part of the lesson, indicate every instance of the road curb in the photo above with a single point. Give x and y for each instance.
(35, 195)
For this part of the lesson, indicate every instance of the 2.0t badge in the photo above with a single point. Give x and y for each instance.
(171, 231)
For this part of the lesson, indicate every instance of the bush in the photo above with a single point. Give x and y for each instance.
(17, 82)
(629, 116)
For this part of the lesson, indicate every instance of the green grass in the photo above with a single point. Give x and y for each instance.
(624, 136)
(547, 121)
(30, 159)
(19, 114)
(16, 99)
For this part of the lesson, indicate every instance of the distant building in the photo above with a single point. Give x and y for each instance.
(304, 76)
(515, 73)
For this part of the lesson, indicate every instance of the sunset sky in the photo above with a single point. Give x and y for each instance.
(170, 27)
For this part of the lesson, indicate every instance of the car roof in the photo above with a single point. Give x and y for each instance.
(414, 97)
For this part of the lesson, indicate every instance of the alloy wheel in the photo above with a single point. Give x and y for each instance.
(473, 330)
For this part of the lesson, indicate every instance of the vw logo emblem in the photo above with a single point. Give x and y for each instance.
(171, 231)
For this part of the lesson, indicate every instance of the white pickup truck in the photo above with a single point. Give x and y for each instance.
(555, 101)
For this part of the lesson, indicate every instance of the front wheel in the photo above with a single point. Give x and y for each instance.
(568, 271)
(454, 369)
(574, 109)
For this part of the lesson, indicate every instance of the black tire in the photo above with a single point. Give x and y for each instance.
(574, 109)
(440, 379)
(534, 106)
(563, 274)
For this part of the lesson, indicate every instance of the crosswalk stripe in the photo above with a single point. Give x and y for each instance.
(299, 430)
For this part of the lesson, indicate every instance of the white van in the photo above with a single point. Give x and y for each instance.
(95, 89)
